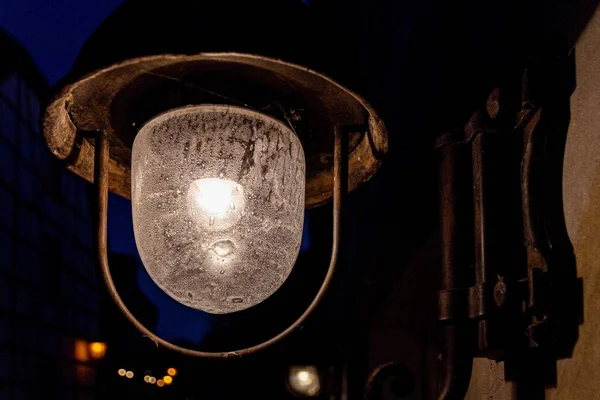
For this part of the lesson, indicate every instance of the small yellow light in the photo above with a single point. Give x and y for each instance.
(97, 350)
(122, 372)
(81, 350)
(168, 380)
(147, 378)
(172, 371)
(160, 383)
(152, 380)
(129, 374)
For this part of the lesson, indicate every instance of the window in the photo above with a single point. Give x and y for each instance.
(29, 226)
(6, 251)
(6, 292)
(28, 257)
(27, 186)
(4, 365)
(7, 172)
(7, 208)
(51, 267)
(8, 121)
(4, 330)
(25, 302)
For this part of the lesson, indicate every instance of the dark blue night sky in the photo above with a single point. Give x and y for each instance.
(53, 31)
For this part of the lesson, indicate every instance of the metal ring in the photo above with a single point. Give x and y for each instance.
(101, 181)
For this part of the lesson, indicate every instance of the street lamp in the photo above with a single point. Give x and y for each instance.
(220, 153)
(304, 381)
(97, 350)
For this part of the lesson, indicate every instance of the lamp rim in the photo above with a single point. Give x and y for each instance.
(93, 104)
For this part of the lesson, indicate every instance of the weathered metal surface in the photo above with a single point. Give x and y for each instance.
(575, 377)
(457, 356)
(119, 99)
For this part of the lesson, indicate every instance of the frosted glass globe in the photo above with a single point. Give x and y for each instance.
(218, 205)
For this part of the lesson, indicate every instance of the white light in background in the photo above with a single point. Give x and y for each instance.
(304, 381)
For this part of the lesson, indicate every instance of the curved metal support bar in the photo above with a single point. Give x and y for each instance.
(101, 180)
(457, 355)
(458, 365)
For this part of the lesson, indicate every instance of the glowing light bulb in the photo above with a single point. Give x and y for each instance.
(304, 378)
(214, 195)
(172, 371)
(167, 379)
(129, 374)
(215, 204)
(121, 372)
(218, 204)
(160, 383)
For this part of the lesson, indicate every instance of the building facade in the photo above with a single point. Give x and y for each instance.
(49, 301)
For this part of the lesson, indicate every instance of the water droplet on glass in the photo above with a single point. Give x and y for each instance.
(232, 205)
(220, 174)
(223, 248)
(236, 299)
(211, 220)
(203, 165)
(222, 272)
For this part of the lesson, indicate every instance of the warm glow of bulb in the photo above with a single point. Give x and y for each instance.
(122, 372)
(305, 381)
(160, 383)
(215, 196)
(147, 378)
(167, 379)
(129, 374)
(152, 380)
(304, 378)
(172, 371)
(97, 350)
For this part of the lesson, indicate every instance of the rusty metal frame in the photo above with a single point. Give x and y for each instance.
(101, 179)
(457, 357)
(520, 306)
(123, 96)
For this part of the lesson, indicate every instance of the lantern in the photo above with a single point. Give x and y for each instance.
(219, 152)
